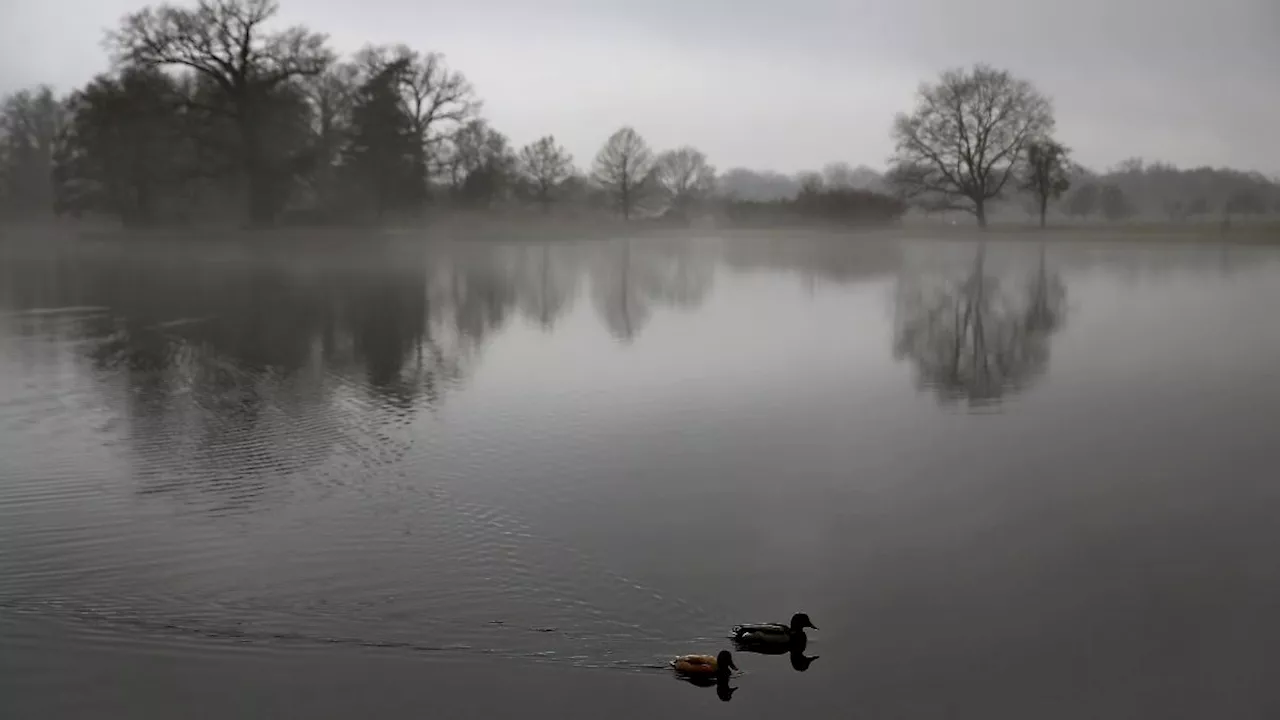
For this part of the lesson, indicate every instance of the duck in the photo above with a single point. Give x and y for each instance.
(705, 666)
(775, 635)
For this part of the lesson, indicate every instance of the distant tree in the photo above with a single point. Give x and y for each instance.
(227, 42)
(624, 168)
(1245, 202)
(685, 178)
(745, 184)
(1115, 205)
(962, 143)
(810, 182)
(1045, 173)
(545, 166)
(1198, 205)
(838, 175)
(1130, 166)
(1084, 201)
(30, 123)
(482, 165)
(1175, 210)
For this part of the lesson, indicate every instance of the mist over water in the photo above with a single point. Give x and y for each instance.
(1022, 480)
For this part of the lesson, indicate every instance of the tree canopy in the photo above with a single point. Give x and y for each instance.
(963, 142)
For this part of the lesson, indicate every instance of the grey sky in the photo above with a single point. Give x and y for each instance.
(790, 84)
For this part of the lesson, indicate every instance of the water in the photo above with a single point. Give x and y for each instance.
(512, 479)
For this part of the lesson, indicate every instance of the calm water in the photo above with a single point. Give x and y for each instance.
(511, 480)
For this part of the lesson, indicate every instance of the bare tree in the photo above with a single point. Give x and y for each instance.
(1045, 173)
(624, 167)
(227, 43)
(685, 177)
(961, 144)
(545, 165)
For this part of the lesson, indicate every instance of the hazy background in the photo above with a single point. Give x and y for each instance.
(789, 85)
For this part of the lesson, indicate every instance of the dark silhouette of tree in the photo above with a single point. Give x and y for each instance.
(227, 43)
(962, 143)
(1114, 204)
(685, 178)
(439, 100)
(624, 168)
(545, 166)
(383, 158)
(30, 124)
(1045, 173)
(126, 147)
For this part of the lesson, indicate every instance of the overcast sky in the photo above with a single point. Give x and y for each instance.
(789, 84)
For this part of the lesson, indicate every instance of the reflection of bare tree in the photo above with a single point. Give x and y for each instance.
(632, 276)
(547, 282)
(974, 340)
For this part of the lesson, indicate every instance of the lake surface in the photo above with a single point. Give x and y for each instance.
(511, 480)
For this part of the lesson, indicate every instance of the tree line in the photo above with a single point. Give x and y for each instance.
(214, 111)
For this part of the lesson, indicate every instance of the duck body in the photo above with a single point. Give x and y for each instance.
(776, 635)
(705, 665)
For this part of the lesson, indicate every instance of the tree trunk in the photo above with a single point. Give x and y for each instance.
(980, 210)
(1044, 208)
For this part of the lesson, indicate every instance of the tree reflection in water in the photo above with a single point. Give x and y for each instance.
(630, 277)
(974, 340)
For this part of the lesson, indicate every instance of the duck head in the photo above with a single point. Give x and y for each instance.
(724, 663)
(800, 621)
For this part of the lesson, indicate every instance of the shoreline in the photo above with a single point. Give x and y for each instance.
(454, 230)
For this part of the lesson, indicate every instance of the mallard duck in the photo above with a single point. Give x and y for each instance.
(717, 666)
(773, 634)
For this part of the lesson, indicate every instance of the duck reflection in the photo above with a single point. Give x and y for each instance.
(976, 339)
(724, 690)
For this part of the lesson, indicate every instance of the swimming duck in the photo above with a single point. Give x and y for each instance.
(773, 634)
(717, 666)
